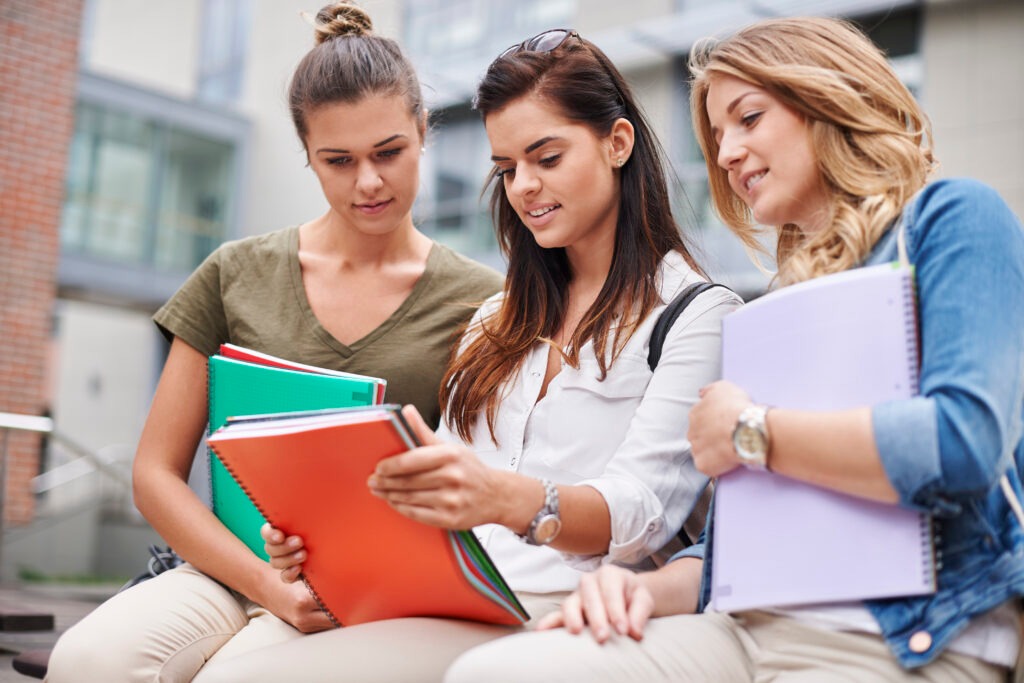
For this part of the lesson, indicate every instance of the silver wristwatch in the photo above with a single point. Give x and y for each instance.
(750, 437)
(547, 522)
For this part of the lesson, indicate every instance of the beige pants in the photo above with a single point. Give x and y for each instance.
(393, 651)
(162, 631)
(168, 628)
(716, 648)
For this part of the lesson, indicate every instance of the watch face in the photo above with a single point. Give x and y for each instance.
(547, 529)
(750, 443)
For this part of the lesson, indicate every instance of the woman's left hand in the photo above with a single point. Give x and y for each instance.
(712, 422)
(441, 484)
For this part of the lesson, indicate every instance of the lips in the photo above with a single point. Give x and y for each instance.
(537, 213)
(753, 179)
(373, 208)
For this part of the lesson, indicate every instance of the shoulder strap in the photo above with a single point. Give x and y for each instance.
(668, 318)
(698, 516)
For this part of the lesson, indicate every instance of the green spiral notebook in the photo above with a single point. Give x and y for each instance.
(243, 382)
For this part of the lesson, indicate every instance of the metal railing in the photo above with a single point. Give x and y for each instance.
(84, 461)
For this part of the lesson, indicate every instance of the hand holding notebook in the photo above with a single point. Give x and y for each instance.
(835, 342)
(308, 475)
(246, 382)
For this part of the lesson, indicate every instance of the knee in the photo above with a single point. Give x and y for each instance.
(482, 664)
(79, 655)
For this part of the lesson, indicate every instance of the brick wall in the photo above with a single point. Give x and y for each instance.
(38, 69)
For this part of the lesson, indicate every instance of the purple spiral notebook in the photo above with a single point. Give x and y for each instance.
(838, 341)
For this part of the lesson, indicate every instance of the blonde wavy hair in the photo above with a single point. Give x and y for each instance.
(871, 140)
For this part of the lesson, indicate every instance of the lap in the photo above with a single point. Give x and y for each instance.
(679, 648)
(788, 651)
(163, 629)
(408, 650)
(751, 648)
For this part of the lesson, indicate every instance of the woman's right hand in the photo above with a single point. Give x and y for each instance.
(287, 553)
(293, 603)
(611, 598)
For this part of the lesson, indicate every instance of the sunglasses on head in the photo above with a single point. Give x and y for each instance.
(542, 42)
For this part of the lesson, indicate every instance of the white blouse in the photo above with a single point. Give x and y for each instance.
(624, 436)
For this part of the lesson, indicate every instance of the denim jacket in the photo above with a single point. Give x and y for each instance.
(945, 450)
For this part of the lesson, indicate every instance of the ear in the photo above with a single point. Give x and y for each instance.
(421, 126)
(622, 137)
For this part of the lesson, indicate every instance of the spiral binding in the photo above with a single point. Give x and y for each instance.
(911, 335)
(210, 370)
(312, 591)
(320, 602)
(931, 552)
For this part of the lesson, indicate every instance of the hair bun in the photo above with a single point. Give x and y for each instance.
(341, 19)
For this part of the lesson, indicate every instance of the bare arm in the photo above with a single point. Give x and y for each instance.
(835, 449)
(166, 449)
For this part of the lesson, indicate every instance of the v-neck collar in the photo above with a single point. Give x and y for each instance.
(347, 350)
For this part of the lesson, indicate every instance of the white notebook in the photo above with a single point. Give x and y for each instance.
(835, 342)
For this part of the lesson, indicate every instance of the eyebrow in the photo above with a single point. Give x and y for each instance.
(530, 147)
(732, 105)
(735, 102)
(333, 150)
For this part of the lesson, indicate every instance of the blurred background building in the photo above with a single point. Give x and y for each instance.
(136, 137)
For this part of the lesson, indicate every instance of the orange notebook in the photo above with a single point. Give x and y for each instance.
(307, 473)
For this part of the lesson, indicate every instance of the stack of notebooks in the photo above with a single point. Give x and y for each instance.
(836, 342)
(307, 472)
(305, 469)
(245, 382)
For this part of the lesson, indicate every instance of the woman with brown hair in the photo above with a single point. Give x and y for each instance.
(358, 289)
(559, 446)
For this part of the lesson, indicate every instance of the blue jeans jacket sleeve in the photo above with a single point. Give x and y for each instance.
(955, 440)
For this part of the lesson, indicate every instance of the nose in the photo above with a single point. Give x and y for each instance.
(368, 179)
(730, 151)
(524, 182)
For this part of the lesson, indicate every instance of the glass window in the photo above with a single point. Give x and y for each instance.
(225, 34)
(139, 192)
(444, 34)
(191, 205)
(110, 174)
(450, 206)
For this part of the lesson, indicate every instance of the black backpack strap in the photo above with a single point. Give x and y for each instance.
(698, 516)
(668, 318)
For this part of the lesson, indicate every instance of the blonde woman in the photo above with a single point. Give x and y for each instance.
(807, 129)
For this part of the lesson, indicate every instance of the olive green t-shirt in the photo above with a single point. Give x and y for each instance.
(249, 292)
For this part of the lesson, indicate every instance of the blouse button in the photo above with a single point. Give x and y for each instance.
(920, 641)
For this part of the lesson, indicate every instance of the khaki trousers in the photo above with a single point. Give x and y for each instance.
(183, 625)
(408, 650)
(717, 648)
(163, 631)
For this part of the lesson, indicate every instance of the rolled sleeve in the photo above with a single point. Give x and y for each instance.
(954, 441)
(907, 438)
(651, 483)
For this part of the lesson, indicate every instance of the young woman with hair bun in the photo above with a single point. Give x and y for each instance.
(358, 289)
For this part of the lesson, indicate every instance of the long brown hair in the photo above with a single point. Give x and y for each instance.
(870, 137)
(584, 86)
